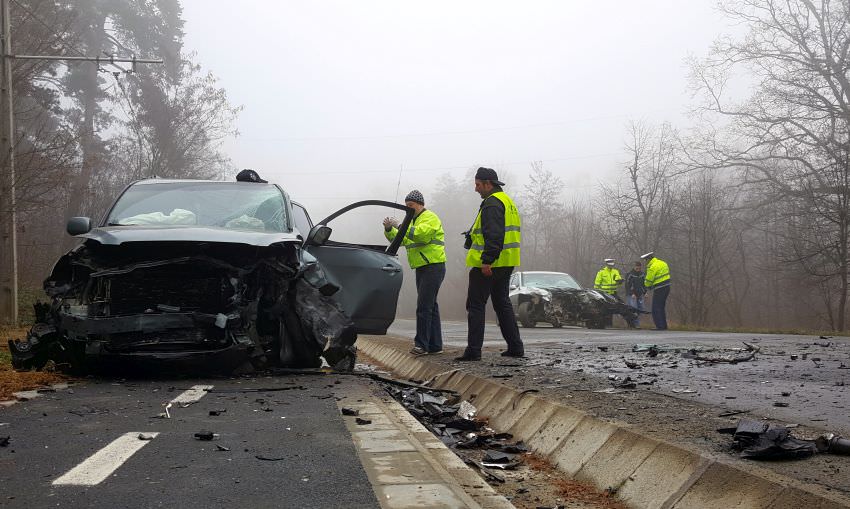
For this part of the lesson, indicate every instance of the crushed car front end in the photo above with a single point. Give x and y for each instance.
(190, 296)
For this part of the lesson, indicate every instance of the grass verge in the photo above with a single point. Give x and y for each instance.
(756, 330)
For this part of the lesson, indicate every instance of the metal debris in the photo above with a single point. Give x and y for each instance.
(765, 441)
(205, 436)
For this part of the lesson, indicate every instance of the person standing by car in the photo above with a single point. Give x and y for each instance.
(607, 280)
(494, 251)
(657, 280)
(426, 254)
(635, 290)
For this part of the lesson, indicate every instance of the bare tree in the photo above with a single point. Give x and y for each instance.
(792, 135)
(541, 211)
(638, 207)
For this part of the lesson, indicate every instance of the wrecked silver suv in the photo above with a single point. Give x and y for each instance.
(557, 298)
(211, 276)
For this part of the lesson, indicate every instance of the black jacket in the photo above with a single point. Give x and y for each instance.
(634, 283)
(493, 229)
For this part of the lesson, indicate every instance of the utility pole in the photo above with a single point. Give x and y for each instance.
(8, 205)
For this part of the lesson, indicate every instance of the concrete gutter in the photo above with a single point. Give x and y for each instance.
(644, 471)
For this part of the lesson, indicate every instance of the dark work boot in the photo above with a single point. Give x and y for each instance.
(508, 353)
(469, 356)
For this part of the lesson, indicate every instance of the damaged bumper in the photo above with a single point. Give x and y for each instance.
(230, 308)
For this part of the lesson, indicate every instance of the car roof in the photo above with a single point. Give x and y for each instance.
(542, 272)
(183, 181)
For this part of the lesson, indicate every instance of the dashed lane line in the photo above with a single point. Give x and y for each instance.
(104, 462)
(192, 395)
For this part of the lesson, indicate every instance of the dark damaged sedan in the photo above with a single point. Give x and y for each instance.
(211, 276)
(558, 299)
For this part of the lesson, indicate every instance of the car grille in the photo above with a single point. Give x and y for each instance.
(142, 291)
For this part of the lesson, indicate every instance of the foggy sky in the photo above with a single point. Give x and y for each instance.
(340, 95)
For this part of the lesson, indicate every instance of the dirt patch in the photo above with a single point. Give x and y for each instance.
(12, 381)
(542, 485)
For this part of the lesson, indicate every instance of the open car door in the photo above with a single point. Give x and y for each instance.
(369, 276)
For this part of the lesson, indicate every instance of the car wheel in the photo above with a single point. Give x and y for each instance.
(557, 325)
(525, 315)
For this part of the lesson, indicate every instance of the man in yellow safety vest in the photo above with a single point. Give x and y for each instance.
(657, 280)
(426, 254)
(493, 243)
(608, 278)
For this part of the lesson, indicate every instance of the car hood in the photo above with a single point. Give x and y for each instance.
(117, 235)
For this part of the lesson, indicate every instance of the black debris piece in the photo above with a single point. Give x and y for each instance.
(765, 441)
(780, 404)
(491, 456)
(216, 413)
(631, 365)
(362, 421)
(602, 348)
(4, 441)
(270, 458)
(205, 435)
(350, 411)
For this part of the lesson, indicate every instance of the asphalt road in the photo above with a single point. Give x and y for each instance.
(310, 460)
(812, 385)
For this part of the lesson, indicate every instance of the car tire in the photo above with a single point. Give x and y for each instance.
(525, 315)
(557, 325)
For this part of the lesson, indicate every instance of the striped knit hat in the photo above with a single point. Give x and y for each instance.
(416, 196)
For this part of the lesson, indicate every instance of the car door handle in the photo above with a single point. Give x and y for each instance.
(390, 268)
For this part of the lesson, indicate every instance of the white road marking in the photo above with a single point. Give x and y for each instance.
(192, 395)
(101, 464)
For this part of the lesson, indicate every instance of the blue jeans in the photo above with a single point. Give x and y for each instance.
(637, 303)
(659, 307)
(429, 334)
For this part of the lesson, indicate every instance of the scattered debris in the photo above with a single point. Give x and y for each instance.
(762, 440)
(780, 404)
(752, 351)
(350, 411)
(362, 421)
(731, 413)
(602, 348)
(221, 448)
(216, 413)
(205, 436)
(270, 458)
(4, 441)
(632, 365)
(765, 441)
(143, 436)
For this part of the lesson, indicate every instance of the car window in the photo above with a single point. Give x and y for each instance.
(231, 205)
(550, 280)
(515, 280)
(301, 219)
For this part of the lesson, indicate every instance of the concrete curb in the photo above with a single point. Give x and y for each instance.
(645, 472)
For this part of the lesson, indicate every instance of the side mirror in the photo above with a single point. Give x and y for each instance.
(319, 234)
(78, 226)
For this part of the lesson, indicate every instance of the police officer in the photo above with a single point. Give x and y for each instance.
(607, 280)
(657, 280)
(494, 246)
(426, 254)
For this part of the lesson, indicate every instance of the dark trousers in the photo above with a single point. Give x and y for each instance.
(659, 307)
(429, 334)
(481, 288)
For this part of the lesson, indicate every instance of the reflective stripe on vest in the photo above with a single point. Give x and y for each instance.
(510, 254)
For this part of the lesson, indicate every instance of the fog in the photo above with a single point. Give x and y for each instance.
(340, 98)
